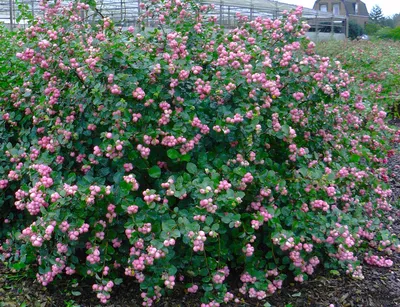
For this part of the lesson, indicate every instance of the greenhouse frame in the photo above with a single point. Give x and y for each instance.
(324, 25)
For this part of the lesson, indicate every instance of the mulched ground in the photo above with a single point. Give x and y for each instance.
(380, 288)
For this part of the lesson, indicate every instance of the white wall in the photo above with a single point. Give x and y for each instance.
(321, 36)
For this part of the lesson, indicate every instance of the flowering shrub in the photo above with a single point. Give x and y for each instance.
(187, 154)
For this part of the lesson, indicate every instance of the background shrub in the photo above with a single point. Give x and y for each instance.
(187, 154)
(372, 28)
(389, 33)
(355, 30)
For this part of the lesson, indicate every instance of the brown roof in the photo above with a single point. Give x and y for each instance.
(350, 8)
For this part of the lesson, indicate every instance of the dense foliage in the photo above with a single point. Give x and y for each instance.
(187, 154)
(389, 33)
(355, 30)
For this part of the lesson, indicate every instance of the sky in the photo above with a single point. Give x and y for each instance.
(389, 7)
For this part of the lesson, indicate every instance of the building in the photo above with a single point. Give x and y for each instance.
(355, 10)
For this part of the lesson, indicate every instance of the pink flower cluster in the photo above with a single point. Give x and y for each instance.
(198, 240)
(378, 261)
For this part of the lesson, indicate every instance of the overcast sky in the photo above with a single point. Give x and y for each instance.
(389, 7)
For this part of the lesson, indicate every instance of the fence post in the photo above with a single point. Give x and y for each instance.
(11, 15)
(229, 16)
(221, 18)
(122, 13)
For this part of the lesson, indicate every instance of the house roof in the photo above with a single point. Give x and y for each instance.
(350, 7)
(362, 8)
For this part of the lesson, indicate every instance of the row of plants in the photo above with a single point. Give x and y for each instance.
(374, 64)
(187, 154)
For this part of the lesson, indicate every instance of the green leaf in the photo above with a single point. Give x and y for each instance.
(168, 225)
(18, 266)
(285, 260)
(191, 168)
(354, 158)
(285, 129)
(173, 154)
(207, 287)
(71, 178)
(155, 172)
(226, 218)
(209, 220)
(215, 227)
(172, 270)
(334, 272)
(104, 171)
(185, 158)
(303, 171)
(118, 177)
(75, 293)
(175, 233)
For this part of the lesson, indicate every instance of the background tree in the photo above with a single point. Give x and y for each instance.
(376, 14)
(396, 19)
(388, 22)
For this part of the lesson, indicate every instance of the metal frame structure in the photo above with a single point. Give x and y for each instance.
(126, 12)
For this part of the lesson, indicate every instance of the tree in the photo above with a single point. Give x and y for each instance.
(396, 20)
(355, 30)
(388, 22)
(376, 14)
